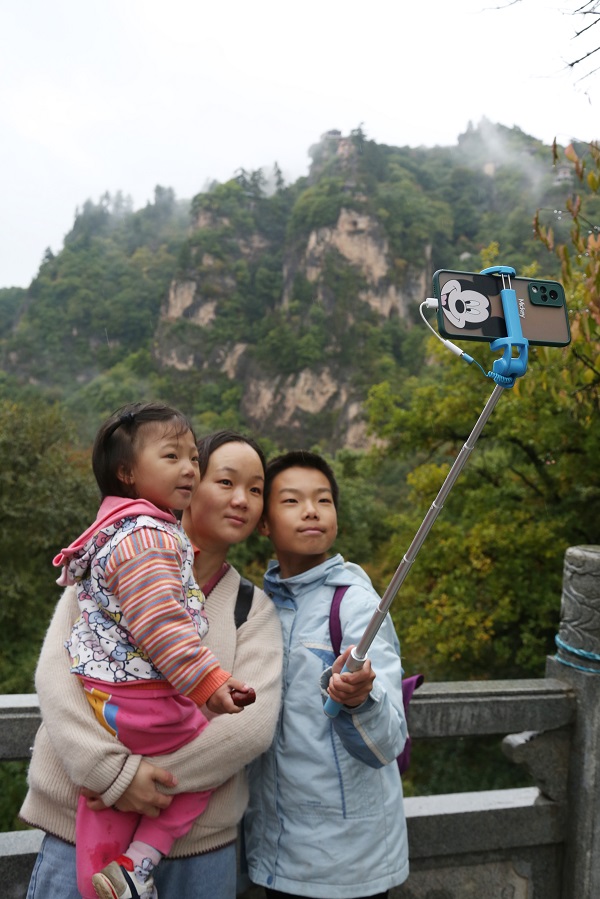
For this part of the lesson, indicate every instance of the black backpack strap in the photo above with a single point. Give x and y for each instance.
(409, 684)
(243, 601)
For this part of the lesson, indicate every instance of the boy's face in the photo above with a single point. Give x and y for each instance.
(300, 519)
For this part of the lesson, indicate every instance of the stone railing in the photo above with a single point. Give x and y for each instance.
(539, 842)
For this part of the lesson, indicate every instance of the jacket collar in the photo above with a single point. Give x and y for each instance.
(291, 586)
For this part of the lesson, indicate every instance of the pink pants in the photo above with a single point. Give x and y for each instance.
(150, 722)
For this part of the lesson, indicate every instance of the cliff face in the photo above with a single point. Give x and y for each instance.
(281, 404)
(339, 274)
(360, 241)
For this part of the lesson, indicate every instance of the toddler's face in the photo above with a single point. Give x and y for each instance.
(165, 470)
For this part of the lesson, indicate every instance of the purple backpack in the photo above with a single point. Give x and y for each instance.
(409, 684)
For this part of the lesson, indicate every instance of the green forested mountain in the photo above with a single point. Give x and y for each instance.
(103, 320)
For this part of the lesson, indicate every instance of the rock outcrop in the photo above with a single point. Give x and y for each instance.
(281, 404)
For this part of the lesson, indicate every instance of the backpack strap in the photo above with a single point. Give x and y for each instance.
(409, 684)
(335, 625)
(243, 602)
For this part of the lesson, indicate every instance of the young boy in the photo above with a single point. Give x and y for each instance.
(326, 815)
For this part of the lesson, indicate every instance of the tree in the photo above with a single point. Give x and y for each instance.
(47, 497)
(483, 597)
(580, 266)
(11, 298)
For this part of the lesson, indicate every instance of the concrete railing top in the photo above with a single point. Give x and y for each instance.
(476, 708)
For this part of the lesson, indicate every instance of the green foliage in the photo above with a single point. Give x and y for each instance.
(227, 201)
(99, 299)
(482, 598)
(318, 206)
(11, 299)
(461, 765)
(483, 593)
(47, 497)
(412, 219)
(361, 510)
(135, 378)
(13, 787)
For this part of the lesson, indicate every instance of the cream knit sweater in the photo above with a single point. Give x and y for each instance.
(72, 750)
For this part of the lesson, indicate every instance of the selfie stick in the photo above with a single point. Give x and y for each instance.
(505, 371)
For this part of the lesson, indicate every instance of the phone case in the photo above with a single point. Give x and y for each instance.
(470, 308)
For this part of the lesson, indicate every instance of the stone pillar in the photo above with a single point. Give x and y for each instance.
(577, 661)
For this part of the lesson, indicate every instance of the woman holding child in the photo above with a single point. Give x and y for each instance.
(72, 752)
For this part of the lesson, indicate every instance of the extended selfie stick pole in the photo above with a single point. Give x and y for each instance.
(505, 372)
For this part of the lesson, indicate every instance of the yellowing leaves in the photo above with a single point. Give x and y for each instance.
(571, 154)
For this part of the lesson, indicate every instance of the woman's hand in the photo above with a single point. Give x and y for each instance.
(350, 688)
(142, 795)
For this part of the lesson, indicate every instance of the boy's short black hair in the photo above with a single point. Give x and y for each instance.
(300, 459)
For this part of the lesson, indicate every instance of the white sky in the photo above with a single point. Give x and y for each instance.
(100, 95)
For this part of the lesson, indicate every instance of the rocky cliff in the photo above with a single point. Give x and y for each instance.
(282, 402)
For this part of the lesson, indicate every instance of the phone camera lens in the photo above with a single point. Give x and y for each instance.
(553, 295)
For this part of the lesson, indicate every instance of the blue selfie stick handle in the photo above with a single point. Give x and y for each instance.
(509, 366)
(331, 707)
(353, 663)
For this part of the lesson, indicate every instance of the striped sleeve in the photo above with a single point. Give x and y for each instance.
(144, 572)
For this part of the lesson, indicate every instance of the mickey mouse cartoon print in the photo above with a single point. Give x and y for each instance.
(463, 306)
(467, 308)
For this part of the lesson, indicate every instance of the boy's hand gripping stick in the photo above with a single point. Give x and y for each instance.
(507, 370)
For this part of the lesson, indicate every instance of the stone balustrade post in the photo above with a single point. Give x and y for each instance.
(577, 661)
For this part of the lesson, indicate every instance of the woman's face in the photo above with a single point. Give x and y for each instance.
(228, 503)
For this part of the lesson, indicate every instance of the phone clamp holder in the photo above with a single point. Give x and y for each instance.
(507, 369)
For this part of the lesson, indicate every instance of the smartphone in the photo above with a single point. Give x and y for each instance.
(470, 308)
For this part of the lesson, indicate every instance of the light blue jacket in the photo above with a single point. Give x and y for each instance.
(326, 816)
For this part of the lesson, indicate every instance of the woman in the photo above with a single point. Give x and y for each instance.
(224, 511)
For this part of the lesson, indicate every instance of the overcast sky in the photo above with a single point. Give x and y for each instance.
(127, 94)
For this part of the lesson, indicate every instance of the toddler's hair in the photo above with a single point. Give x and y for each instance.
(300, 459)
(117, 442)
(207, 445)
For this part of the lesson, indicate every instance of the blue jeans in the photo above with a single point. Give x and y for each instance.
(208, 876)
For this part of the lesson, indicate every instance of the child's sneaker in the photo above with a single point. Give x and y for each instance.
(118, 881)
